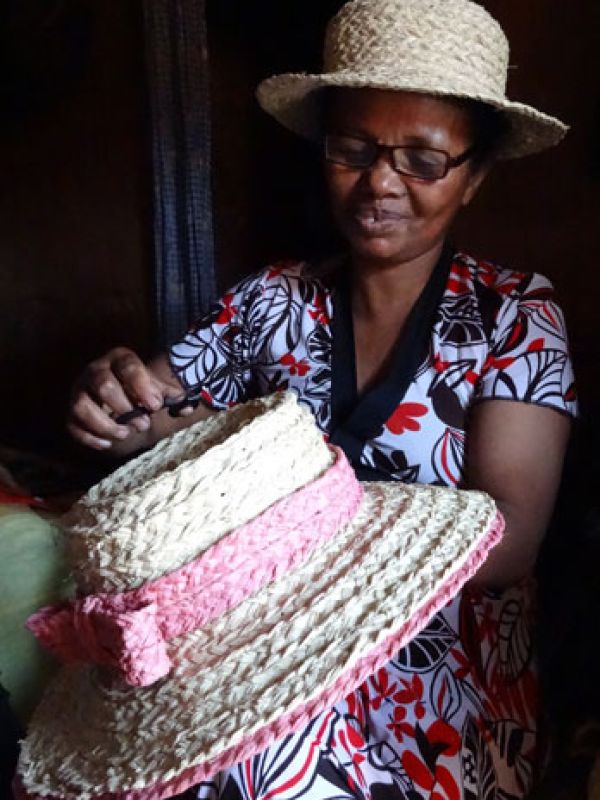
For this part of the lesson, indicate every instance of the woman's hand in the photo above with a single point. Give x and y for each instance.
(113, 385)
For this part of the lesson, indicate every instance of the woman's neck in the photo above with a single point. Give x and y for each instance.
(380, 290)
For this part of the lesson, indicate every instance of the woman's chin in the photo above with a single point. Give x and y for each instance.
(379, 250)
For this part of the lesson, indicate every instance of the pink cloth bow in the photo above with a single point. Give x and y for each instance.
(94, 629)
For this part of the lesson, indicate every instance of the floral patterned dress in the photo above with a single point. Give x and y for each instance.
(452, 716)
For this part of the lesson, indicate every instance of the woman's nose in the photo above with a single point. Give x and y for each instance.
(382, 178)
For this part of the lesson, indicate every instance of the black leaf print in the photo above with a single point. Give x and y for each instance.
(535, 377)
(454, 373)
(429, 751)
(428, 648)
(512, 742)
(448, 455)
(540, 307)
(279, 314)
(445, 693)
(510, 335)
(469, 637)
(514, 640)
(391, 791)
(460, 321)
(508, 736)
(383, 757)
(318, 345)
(490, 303)
(231, 791)
(395, 464)
(478, 774)
(337, 778)
(446, 405)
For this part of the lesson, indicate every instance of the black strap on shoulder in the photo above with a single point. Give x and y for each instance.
(354, 419)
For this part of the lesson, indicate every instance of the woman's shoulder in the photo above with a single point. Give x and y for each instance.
(285, 274)
(490, 277)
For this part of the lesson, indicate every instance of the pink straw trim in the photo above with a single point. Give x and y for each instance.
(301, 716)
(129, 631)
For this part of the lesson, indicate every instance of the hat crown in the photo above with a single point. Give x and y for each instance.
(168, 506)
(454, 44)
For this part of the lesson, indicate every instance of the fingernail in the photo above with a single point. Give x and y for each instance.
(186, 411)
(103, 443)
(155, 402)
(142, 423)
(122, 433)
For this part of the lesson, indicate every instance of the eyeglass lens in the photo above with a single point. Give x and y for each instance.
(419, 162)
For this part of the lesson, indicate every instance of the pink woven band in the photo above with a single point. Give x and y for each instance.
(129, 631)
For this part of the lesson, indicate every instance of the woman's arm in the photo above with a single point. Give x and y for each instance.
(515, 452)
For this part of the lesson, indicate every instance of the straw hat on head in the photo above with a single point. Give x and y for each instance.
(451, 48)
(234, 582)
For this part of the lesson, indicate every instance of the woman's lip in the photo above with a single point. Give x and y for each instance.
(375, 220)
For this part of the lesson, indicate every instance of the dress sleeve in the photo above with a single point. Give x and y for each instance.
(215, 353)
(529, 358)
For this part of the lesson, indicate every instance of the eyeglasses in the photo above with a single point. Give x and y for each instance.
(423, 163)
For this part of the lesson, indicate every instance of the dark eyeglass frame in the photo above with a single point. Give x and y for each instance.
(377, 149)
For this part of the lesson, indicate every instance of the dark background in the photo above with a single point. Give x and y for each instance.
(75, 192)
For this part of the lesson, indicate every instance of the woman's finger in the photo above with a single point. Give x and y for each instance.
(138, 383)
(88, 417)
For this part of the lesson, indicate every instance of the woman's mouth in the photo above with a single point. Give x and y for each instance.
(378, 221)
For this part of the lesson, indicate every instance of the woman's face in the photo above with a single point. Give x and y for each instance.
(388, 218)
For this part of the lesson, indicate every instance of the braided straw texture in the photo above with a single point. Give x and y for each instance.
(440, 47)
(171, 504)
(308, 635)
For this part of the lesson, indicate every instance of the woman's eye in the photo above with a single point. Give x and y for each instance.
(423, 161)
(353, 147)
(348, 150)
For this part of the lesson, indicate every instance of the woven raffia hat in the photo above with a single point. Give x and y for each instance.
(233, 583)
(451, 48)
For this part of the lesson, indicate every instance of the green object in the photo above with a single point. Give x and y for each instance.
(33, 574)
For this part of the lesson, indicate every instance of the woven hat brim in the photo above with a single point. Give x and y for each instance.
(293, 99)
(272, 663)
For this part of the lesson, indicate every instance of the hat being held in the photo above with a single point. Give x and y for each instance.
(234, 582)
(450, 48)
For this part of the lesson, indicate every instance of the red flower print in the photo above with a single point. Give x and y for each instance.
(398, 725)
(319, 312)
(207, 397)
(492, 362)
(351, 739)
(277, 268)
(295, 367)
(438, 741)
(441, 733)
(440, 366)
(403, 418)
(535, 346)
(384, 690)
(458, 281)
(228, 311)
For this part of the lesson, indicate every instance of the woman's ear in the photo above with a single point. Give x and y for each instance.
(477, 175)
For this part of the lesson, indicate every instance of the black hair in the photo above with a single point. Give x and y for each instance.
(489, 129)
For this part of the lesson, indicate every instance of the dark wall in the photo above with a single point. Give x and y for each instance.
(74, 204)
(75, 194)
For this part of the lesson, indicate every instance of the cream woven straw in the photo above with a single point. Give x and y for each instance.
(234, 582)
(441, 47)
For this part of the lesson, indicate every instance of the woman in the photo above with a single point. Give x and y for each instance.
(395, 346)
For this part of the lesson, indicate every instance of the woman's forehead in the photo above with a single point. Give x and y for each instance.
(384, 112)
